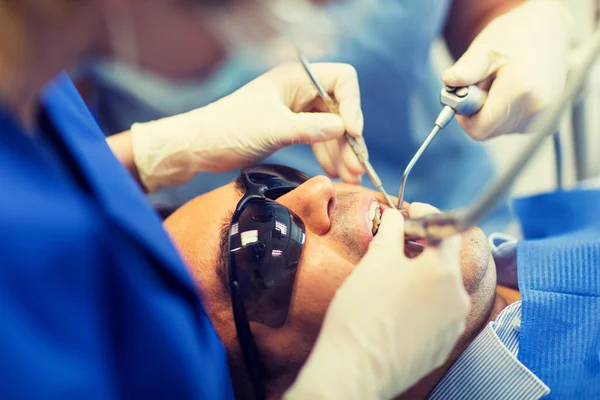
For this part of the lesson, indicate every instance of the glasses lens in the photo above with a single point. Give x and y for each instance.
(266, 244)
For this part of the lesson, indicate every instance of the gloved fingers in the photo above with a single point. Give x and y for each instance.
(486, 84)
(308, 128)
(448, 252)
(390, 235)
(452, 333)
(333, 148)
(325, 159)
(349, 167)
(333, 156)
(501, 112)
(476, 64)
(348, 176)
(419, 210)
(349, 160)
(479, 65)
(336, 149)
(341, 81)
(445, 253)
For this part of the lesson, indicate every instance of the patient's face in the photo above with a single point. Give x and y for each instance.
(338, 233)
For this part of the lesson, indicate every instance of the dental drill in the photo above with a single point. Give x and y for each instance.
(466, 100)
(436, 227)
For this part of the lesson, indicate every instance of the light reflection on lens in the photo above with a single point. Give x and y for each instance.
(277, 253)
(249, 237)
(281, 227)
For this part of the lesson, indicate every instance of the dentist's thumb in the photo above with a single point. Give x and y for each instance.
(475, 65)
(308, 128)
(390, 233)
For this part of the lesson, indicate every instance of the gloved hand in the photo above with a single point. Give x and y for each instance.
(391, 322)
(522, 58)
(273, 111)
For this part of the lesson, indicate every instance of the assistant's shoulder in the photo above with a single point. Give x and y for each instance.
(63, 101)
(62, 85)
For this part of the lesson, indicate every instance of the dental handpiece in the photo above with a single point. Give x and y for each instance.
(436, 227)
(359, 149)
(466, 100)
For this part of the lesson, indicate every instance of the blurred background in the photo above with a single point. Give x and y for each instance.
(579, 138)
(119, 97)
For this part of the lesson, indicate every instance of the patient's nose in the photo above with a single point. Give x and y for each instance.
(311, 202)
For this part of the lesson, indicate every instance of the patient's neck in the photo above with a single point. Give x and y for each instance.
(424, 387)
(277, 387)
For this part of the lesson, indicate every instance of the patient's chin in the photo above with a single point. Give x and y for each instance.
(479, 277)
(479, 274)
(485, 306)
(476, 259)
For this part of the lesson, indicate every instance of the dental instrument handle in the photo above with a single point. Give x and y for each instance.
(413, 161)
(359, 149)
(377, 182)
(442, 120)
(434, 227)
(466, 100)
(444, 117)
(306, 65)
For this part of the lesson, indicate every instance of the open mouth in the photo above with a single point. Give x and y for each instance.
(374, 217)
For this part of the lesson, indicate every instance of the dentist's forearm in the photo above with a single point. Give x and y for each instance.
(121, 145)
(468, 17)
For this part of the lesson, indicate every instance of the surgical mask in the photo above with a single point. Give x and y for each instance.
(259, 30)
(242, 65)
(167, 97)
(287, 25)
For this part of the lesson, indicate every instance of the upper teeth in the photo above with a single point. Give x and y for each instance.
(374, 217)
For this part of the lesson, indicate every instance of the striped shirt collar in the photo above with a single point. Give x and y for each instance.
(489, 368)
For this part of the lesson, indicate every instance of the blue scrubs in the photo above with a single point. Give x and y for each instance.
(400, 98)
(558, 267)
(95, 301)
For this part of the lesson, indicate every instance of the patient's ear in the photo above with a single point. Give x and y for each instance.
(505, 257)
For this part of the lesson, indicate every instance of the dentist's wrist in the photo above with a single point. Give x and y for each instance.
(122, 147)
(171, 151)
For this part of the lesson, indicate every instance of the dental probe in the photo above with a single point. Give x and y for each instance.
(465, 100)
(358, 148)
(439, 226)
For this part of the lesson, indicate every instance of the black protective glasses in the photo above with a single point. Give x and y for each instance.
(265, 244)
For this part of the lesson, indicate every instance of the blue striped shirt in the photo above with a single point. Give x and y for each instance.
(489, 368)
